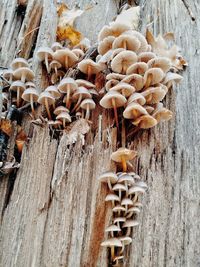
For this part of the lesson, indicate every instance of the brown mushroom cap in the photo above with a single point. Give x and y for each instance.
(157, 75)
(88, 103)
(136, 189)
(161, 113)
(67, 84)
(55, 64)
(137, 98)
(160, 62)
(106, 101)
(123, 152)
(114, 29)
(116, 52)
(146, 56)
(126, 202)
(60, 109)
(30, 93)
(24, 74)
(8, 74)
(85, 83)
(19, 63)
(154, 95)
(136, 80)
(127, 178)
(127, 42)
(171, 78)
(53, 91)
(66, 57)
(112, 228)
(145, 122)
(105, 45)
(126, 240)
(143, 42)
(138, 68)
(46, 95)
(88, 65)
(134, 111)
(84, 92)
(115, 76)
(43, 52)
(112, 197)
(18, 85)
(124, 88)
(122, 61)
(118, 187)
(118, 208)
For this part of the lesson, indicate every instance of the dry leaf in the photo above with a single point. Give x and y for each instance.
(68, 32)
(130, 17)
(21, 138)
(6, 127)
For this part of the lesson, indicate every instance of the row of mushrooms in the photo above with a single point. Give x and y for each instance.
(125, 190)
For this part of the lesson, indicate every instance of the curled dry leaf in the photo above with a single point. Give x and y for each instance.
(130, 17)
(21, 138)
(6, 127)
(65, 29)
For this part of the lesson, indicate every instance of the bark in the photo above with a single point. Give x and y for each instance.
(53, 212)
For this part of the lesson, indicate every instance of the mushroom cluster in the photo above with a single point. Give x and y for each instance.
(20, 78)
(140, 74)
(125, 191)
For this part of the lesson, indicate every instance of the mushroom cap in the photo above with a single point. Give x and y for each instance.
(154, 95)
(145, 122)
(172, 77)
(134, 111)
(157, 75)
(123, 60)
(84, 44)
(81, 91)
(28, 92)
(61, 55)
(60, 109)
(106, 101)
(123, 152)
(124, 88)
(118, 258)
(30, 84)
(141, 184)
(46, 95)
(53, 91)
(114, 29)
(138, 204)
(55, 64)
(55, 123)
(67, 84)
(136, 189)
(64, 116)
(113, 228)
(125, 177)
(88, 103)
(136, 98)
(78, 52)
(103, 60)
(130, 223)
(93, 92)
(119, 187)
(111, 83)
(149, 109)
(111, 176)
(85, 63)
(134, 209)
(17, 85)
(84, 83)
(135, 80)
(112, 197)
(126, 240)
(56, 77)
(116, 52)
(134, 68)
(18, 63)
(105, 45)
(7, 74)
(115, 76)
(118, 208)
(43, 51)
(112, 242)
(119, 219)
(126, 201)
(146, 56)
(160, 62)
(129, 41)
(56, 46)
(24, 70)
(162, 114)
(143, 42)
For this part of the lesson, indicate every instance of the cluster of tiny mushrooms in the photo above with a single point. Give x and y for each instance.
(138, 73)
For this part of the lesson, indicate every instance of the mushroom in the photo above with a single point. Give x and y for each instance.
(89, 67)
(126, 240)
(24, 74)
(127, 179)
(112, 228)
(78, 52)
(46, 99)
(131, 211)
(145, 122)
(113, 99)
(80, 94)
(115, 76)
(68, 86)
(160, 62)
(128, 224)
(31, 95)
(85, 84)
(55, 78)
(124, 88)
(136, 80)
(143, 42)
(161, 113)
(154, 95)
(112, 198)
(127, 42)
(123, 60)
(114, 29)
(153, 76)
(117, 259)
(19, 63)
(88, 104)
(137, 68)
(126, 202)
(134, 111)
(108, 177)
(146, 56)
(112, 243)
(122, 155)
(136, 98)
(18, 87)
(56, 46)
(45, 54)
(118, 209)
(118, 220)
(83, 45)
(105, 45)
(64, 117)
(55, 65)
(119, 188)
(60, 109)
(111, 83)
(66, 57)
(8, 75)
(30, 84)
(171, 78)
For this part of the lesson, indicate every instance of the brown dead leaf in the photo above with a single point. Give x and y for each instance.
(21, 138)
(6, 127)
(68, 32)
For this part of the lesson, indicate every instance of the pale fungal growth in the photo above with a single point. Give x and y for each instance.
(80, 94)
(67, 86)
(55, 65)
(46, 99)
(19, 88)
(89, 67)
(122, 155)
(45, 54)
(109, 178)
(66, 57)
(64, 117)
(8, 75)
(31, 95)
(88, 104)
(122, 61)
(56, 46)
(24, 74)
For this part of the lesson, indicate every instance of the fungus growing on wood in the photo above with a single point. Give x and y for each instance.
(88, 104)
(89, 67)
(109, 178)
(67, 86)
(123, 155)
(64, 117)
(31, 95)
(66, 57)
(122, 61)
(46, 99)
(24, 74)
(45, 54)
(18, 87)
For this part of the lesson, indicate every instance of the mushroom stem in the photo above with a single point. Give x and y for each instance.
(64, 123)
(109, 185)
(124, 165)
(128, 231)
(120, 194)
(66, 62)
(46, 62)
(123, 134)
(23, 77)
(56, 71)
(87, 115)
(68, 97)
(78, 103)
(89, 73)
(115, 112)
(122, 250)
(47, 108)
(124, 44)
(18, 96)
(32, 106)
(148, 81)
(112, 252)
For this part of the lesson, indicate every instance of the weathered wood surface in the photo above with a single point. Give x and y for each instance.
(56, 214)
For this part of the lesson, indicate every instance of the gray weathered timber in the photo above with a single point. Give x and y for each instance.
(56, 214)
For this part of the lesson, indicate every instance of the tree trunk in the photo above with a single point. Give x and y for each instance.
(53, 212)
